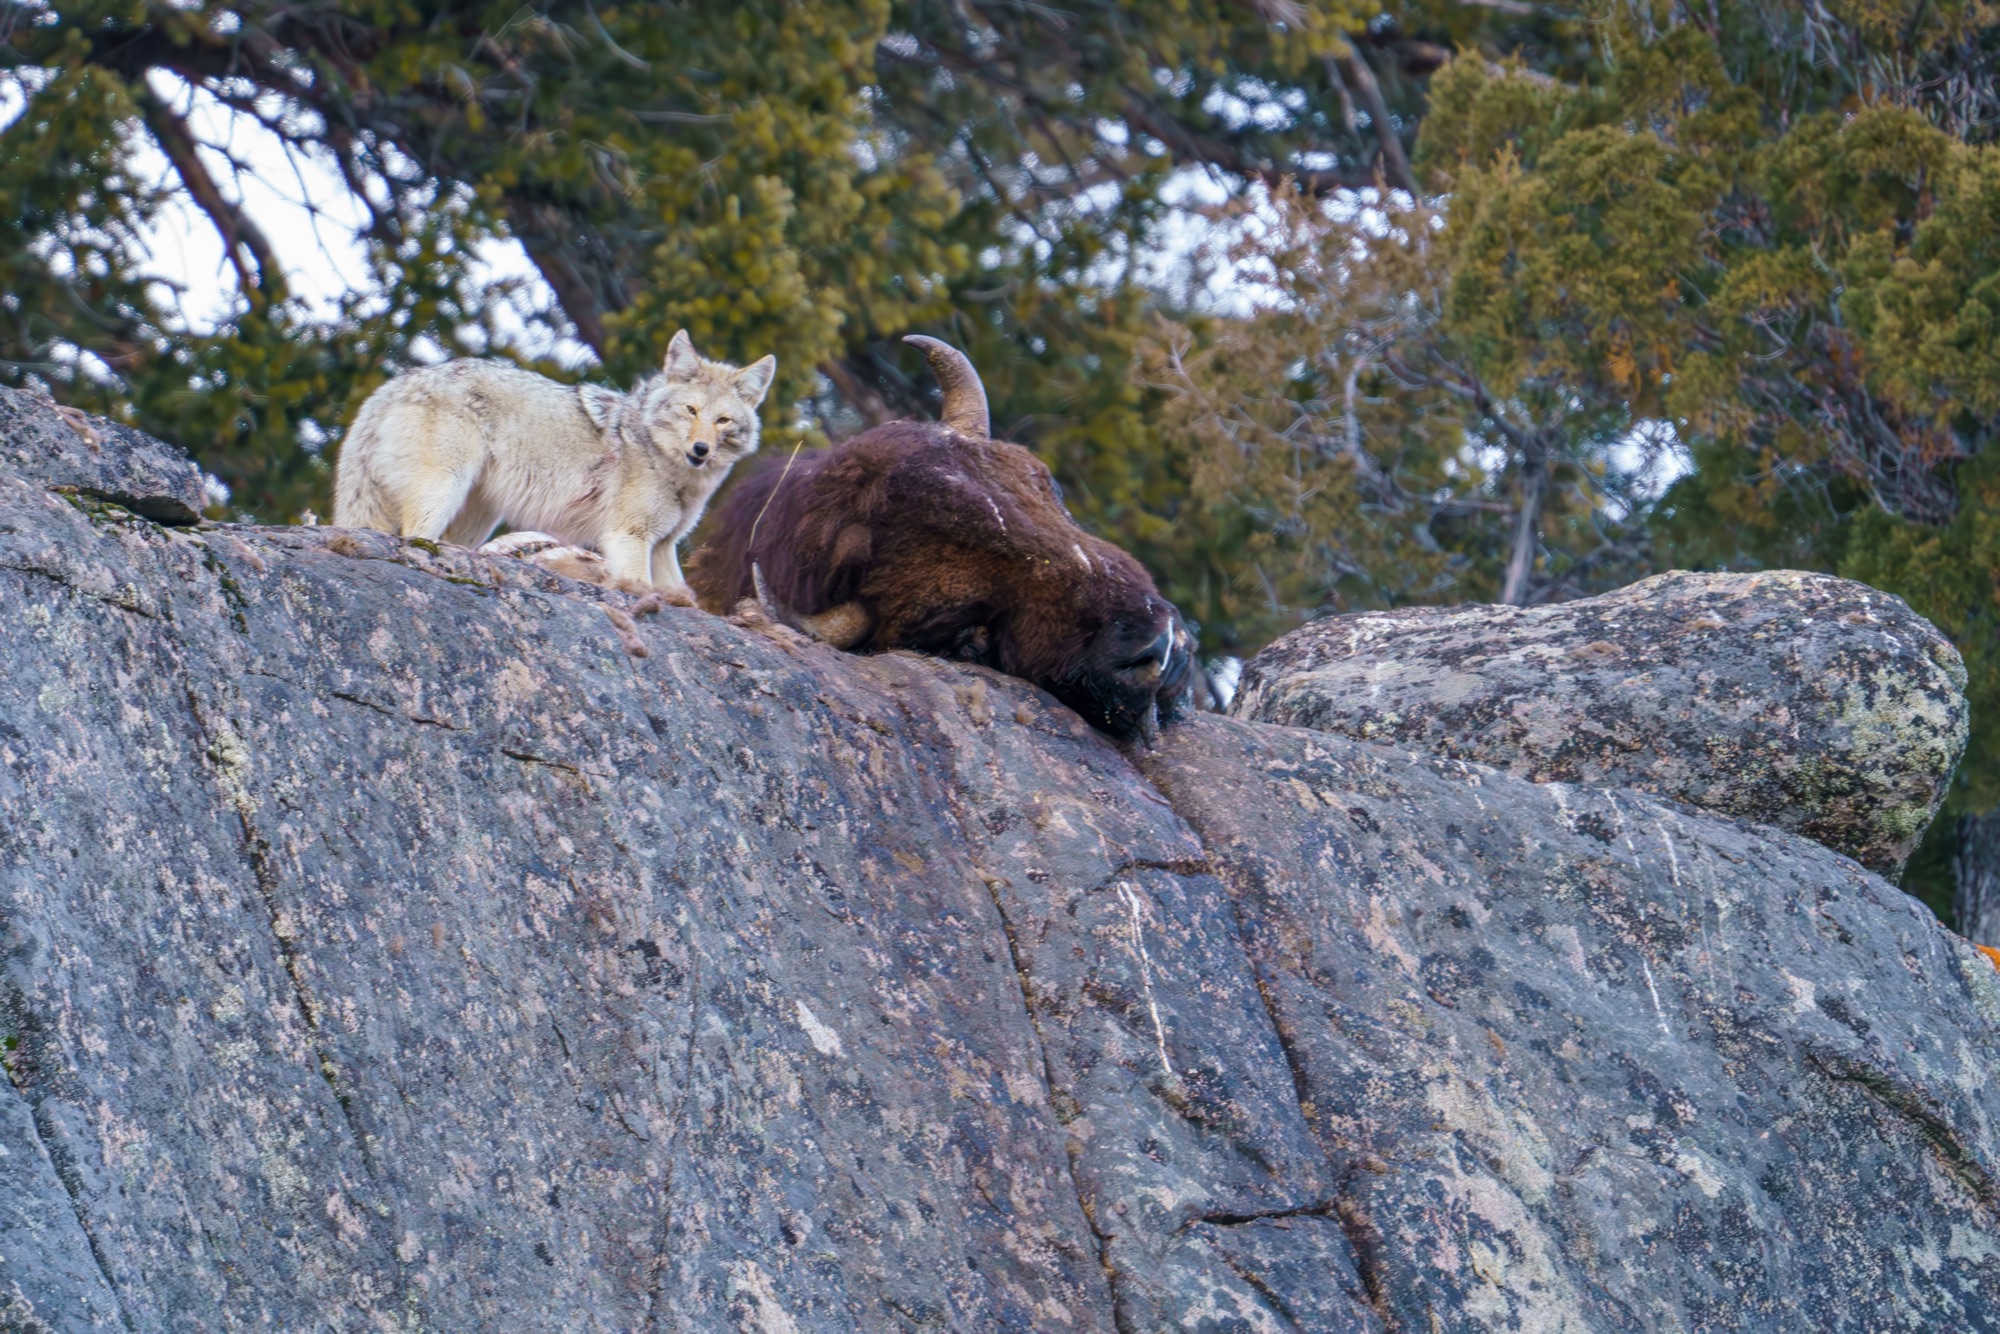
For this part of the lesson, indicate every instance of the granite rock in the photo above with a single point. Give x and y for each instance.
(1797, 700)
(98, 458)
(384, 947)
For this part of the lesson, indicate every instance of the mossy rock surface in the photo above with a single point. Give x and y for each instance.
(98, 460)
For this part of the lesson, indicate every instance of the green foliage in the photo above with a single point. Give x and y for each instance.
(70, 216)
(1950, 574)
(1314, 479)
(809, 180)
(653, 169)
(1774, 234)
(247, 397)
(1800, 273)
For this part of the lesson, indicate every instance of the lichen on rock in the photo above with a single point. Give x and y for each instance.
(98, 458)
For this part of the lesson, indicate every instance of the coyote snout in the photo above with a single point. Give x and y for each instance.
(453, 451)
(708, 426)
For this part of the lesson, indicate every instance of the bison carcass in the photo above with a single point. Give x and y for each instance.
(936, 537)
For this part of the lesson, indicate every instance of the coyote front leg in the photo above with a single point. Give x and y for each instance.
(628, 560)
(667, 575)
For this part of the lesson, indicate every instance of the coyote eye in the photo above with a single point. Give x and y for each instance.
(693, 411)
(722, 421)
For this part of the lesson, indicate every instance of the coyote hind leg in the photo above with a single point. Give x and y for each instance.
(427, 460)
(475, 522)
(430, 506)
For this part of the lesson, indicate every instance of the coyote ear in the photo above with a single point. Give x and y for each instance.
(682, 360)
(598, 404)
(754, 380)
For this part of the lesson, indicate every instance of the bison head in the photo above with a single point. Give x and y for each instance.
(936, 537)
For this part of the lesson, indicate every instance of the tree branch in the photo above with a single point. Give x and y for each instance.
(1395, 162)
(239, 234)
(1212, 151)
(565, 280)
(863, 397)
(1527, 522)
(1529, 445)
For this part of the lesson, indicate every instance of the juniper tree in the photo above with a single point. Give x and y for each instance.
(662, 166)
(1773, 231)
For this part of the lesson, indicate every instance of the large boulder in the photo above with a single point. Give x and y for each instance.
(97, 458)
(1797, 700)
(383, 946)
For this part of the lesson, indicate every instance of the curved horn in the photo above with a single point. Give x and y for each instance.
(964, 397)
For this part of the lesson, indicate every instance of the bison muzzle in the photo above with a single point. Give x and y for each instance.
(936, 537)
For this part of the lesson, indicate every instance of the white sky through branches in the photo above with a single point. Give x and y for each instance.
(313, 221)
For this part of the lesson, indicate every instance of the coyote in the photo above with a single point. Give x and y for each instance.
(450, 452)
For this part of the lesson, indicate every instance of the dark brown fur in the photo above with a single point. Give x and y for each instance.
(955, 545)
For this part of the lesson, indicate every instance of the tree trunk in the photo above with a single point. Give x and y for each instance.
(1976, 905)
(863, 397)
(540, 231)
(1527, 523)
(262, 278)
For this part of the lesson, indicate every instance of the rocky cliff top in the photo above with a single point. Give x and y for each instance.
(383, 947)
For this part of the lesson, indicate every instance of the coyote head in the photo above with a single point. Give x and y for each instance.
(934, 536)
(695, 411)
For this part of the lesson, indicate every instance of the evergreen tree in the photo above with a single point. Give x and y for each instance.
(1774, 232)
(810, 180)
(690, 166)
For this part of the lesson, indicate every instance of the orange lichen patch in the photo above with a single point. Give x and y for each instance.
(1990, 953)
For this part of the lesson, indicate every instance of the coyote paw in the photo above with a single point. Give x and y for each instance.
(678, 595)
